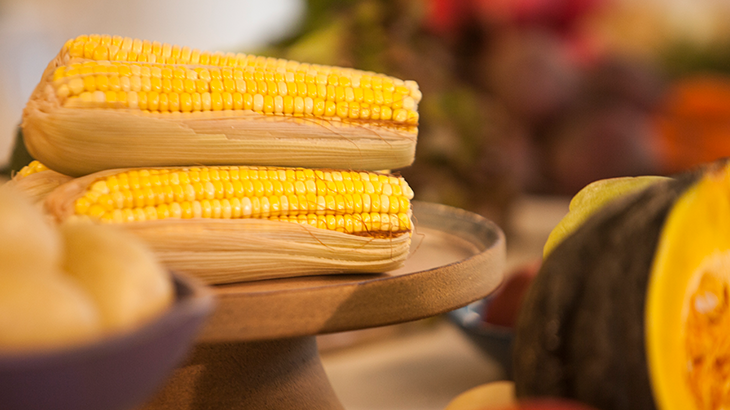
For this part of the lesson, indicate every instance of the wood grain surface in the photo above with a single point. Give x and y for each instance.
(456, 257)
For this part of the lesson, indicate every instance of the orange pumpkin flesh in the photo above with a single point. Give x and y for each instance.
(687, 315)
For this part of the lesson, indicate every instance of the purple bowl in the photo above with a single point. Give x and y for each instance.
(116, 373)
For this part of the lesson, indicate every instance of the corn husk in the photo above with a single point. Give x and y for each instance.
(39, 184)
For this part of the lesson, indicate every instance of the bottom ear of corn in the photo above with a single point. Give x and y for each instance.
(36, 181)
(229, 224)
(225, 251)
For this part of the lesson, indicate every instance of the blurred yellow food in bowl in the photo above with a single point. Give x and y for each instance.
(72, 284)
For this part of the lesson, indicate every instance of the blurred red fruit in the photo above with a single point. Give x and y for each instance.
(448, 16)
(557, 14)
(504, 306)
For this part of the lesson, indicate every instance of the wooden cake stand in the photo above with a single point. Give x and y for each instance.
(259, 350)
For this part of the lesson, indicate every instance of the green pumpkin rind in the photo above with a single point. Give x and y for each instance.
(592, 198)
(580, 333)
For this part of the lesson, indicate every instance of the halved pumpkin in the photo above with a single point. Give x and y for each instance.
(630, 311)
(687, 314)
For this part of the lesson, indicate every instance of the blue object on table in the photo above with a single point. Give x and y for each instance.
(494, 341)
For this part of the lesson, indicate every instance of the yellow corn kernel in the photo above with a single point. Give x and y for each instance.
(234, 82)
(344, 201)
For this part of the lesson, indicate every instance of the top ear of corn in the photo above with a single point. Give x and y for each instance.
(107, 102)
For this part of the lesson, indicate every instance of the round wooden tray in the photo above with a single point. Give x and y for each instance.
(258, 350)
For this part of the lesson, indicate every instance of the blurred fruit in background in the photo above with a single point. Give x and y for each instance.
(688, 43)
(503, 305)
(519, 96)
(694, 121)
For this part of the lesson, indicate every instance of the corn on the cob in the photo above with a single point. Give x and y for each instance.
(232, 223)
(35, 181)
(108, 102)
(33, 168)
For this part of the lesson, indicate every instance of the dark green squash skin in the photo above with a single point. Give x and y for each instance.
(580, 333)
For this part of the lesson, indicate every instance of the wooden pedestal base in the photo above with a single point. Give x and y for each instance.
(284, 374)
(258, 350)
